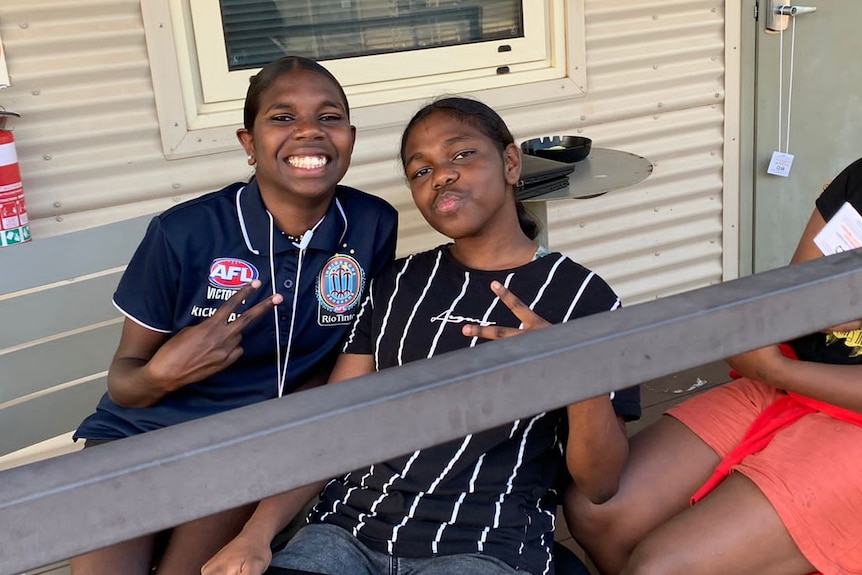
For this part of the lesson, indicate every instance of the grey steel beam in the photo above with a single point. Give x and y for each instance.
(54, 509)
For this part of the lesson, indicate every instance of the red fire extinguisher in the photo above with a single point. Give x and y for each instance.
(14, 224)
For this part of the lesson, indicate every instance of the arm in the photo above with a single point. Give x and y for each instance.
(249, 552)
(807, 250)
(350, 365)
(597, 448)
(839, 385)
(128, 384)
(149, 365)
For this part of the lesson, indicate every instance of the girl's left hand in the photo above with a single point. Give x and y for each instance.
(528, 317)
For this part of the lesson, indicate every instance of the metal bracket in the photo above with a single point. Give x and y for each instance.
(5, 115)
(780, 13)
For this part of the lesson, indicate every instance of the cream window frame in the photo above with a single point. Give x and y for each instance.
(192, 126)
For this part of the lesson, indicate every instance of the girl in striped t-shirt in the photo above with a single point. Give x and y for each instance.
(484, 503)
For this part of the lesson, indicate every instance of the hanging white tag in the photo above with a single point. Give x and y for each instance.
(842, 232)
(780, 164)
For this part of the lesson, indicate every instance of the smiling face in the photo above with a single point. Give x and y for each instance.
(301, 140)
(460, 180)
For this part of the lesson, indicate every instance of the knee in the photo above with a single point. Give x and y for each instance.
(651, 559)
(585, 518)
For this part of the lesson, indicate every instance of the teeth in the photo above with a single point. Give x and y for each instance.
(307, 162)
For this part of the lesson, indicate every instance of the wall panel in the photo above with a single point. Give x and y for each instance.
(90, 152)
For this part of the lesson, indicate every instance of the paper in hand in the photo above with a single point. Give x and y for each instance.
(842, 232)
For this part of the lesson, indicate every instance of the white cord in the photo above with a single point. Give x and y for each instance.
(780, 82)
(303, 245)
(279, 384)
(790, 82)
(283, 376)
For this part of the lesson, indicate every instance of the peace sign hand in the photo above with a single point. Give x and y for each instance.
(530, 320)
(201, 350)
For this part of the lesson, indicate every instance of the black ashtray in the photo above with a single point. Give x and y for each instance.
(568, 149)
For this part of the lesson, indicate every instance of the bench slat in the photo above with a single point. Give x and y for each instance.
(54, 311)
(49, 260)
(48, 416)
(44, 366)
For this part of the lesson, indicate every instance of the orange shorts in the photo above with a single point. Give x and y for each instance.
(811, 471)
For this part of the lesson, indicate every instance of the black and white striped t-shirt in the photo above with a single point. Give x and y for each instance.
(488, 492)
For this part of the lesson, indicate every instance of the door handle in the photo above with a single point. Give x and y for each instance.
(780, 14)
(794, 10)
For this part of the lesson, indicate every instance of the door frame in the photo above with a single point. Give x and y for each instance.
(750, 31)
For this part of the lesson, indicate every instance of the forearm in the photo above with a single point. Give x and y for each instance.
(249, 552)
(597, 448)
(130, 384)
(839, 385)
(274, 513)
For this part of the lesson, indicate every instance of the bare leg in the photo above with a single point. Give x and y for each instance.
(192, 544)
(733, 530)
(133, 557)
(667, 464)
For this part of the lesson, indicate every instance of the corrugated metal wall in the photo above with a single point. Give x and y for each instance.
(90, 152)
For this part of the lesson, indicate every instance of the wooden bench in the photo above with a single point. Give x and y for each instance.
(58, 335)
(59, 332)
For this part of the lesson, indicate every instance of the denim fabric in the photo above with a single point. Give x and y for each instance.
(330, 550)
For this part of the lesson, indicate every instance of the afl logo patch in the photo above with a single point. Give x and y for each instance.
(340, 283)
(231, 273)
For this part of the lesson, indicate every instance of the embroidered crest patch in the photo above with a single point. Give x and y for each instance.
(339, 287)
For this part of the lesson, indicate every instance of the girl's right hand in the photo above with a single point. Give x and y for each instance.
(202, 350)
(244, 555)
(531, 320)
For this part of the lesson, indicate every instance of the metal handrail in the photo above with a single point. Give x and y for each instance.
(61, 507)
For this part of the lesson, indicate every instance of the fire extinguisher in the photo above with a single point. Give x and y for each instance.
(14, 224)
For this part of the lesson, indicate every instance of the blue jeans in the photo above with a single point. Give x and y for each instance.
(330, 550)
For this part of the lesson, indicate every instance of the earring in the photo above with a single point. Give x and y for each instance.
(251, 161)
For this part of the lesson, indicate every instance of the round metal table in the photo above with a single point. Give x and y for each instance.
(603, 171)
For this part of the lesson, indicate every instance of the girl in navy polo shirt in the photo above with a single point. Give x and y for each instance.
(290, 252)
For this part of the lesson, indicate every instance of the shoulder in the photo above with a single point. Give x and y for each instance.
(565, 269)
(412, 264)
(853, 170)
(847, 186)
(359, 202)
(200, 209)
(420, 260)
(575, 286)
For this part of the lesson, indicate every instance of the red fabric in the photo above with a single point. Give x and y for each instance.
(780, 414)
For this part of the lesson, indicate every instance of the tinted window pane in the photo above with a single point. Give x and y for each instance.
(257, 32)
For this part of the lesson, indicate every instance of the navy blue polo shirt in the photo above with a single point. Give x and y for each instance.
(196, 255)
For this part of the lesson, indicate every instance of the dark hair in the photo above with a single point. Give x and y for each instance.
(484, 119)
(261, 82)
